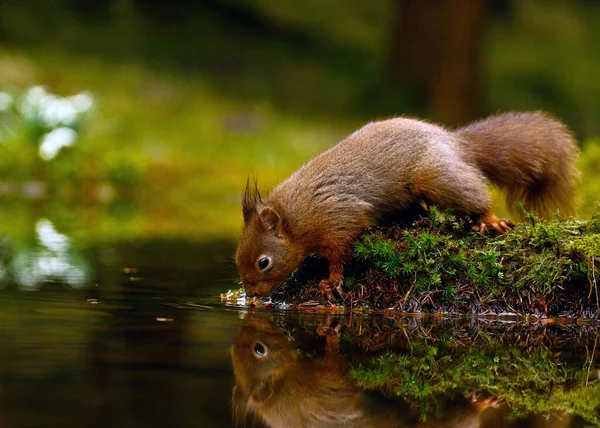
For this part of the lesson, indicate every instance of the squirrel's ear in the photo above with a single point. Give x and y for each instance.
(271, 220)
(250, 201)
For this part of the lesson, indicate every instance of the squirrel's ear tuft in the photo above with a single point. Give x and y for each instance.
(271, 220)
(250, 201)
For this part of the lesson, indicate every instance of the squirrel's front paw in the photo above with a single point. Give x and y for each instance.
(489, 221)
(327, 287)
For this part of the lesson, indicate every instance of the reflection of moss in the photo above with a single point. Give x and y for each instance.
(542, 268)
(537, 381)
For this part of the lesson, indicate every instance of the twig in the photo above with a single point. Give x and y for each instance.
(591, 361)
(595, 285)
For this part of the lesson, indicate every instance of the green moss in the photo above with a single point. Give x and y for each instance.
(383, 253)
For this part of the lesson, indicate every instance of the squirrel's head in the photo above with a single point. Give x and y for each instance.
(266, 256)
(261, 355)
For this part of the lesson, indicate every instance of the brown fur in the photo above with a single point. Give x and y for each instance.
(390, 165)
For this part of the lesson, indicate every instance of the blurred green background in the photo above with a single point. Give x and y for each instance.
(121, 118)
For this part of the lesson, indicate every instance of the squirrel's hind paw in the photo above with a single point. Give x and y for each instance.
(489, 221)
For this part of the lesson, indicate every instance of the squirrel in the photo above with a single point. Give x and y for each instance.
(389, 165)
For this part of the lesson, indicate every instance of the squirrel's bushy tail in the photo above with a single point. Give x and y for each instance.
(529, 155)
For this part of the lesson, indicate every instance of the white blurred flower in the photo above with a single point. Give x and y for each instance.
(82, 102)
(33, 268)
(57, 111)
(53, 110)
(36, 94)
(49, 236)
(5, 101)
(52, 260)
(29, 103)
(55, 140)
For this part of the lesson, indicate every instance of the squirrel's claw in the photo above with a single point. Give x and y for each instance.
(338, 287)
(490, 221)
(327, 290)
(327, 287)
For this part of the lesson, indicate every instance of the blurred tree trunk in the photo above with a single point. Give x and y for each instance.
(436, 45)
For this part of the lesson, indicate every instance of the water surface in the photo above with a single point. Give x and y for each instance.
(133, 333)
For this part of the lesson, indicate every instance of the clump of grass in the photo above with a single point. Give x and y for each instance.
(542, 268)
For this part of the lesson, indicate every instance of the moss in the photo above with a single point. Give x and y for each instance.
(541, 268)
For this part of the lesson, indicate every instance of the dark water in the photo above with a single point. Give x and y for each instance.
(127, 334)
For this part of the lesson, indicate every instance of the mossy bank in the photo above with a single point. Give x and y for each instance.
(545, 269)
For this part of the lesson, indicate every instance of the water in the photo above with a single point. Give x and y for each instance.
(120, 351)
(128, 333)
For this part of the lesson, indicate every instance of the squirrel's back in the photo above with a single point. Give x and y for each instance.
(373, 168)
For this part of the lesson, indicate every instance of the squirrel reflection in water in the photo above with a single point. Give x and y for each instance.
(278, 386)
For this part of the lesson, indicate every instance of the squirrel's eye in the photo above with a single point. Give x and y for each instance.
(259, 349)
(264, 263)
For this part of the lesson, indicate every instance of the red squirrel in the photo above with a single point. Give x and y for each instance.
(390, 165)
